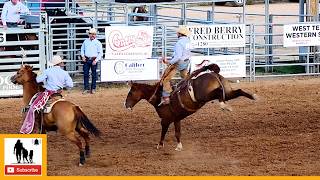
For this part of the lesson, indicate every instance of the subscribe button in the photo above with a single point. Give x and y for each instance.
(23, 170)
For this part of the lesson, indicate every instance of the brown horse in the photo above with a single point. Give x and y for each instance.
(65, 116)
(189, 96)
(142, 10)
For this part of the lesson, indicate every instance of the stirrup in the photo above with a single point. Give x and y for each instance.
(164, 101)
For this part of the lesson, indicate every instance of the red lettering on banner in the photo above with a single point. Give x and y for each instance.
(119, 42)
(22, 169)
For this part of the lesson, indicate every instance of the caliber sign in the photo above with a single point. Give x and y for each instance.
(126, 70)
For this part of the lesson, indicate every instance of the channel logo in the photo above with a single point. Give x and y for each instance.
(10, 169)
(23, 170)
(23, 156)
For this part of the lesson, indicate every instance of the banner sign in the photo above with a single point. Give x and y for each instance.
(301, 35)
(127, 70)
(7, 88)
(230, 65)
(128, 42)
(220, 35)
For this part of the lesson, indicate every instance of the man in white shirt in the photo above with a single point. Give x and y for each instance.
(11, 13)
(91, 53)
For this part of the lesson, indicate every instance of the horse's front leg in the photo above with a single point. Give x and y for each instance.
(165, 125)
(177, 129)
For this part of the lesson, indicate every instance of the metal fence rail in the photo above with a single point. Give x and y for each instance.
(264, 51)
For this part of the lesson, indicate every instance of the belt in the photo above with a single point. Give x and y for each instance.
(186, 60)
(90, 57)
(12, 23)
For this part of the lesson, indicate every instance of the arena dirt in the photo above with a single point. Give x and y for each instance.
(276, 135)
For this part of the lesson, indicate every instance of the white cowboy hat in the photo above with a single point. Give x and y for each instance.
(56, 60)
(183, 30)
(92, 31)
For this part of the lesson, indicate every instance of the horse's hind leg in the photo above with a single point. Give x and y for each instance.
(239, 92)
(73, 138)
(164, 129)
(85, 134)
(177, 129)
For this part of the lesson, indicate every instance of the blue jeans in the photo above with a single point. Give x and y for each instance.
(86, 68)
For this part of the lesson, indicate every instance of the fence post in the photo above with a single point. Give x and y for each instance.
(183, 13)
(253, 55)
(95, 14)
(42, 34)
(154, 11)
(270, 26)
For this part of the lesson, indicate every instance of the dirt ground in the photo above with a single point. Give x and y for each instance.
(276, 135)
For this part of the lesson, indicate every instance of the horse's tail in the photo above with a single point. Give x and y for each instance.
(85, 122)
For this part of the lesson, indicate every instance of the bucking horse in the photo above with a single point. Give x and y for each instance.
(202, 86)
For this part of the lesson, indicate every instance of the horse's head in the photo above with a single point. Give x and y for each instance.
(24, 74)
(140, 9)
(135, 94)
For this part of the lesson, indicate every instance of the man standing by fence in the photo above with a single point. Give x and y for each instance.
(11, 13)
(91, 53)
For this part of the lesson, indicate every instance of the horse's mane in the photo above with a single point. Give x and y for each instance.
(147, 86)
(33, 76)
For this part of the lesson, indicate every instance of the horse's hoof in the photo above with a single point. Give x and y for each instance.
(255, 97)
(160, 146)
(224, 106)
(80, 164)
(179, 147)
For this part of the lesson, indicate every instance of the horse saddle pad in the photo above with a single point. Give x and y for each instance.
(54, 98)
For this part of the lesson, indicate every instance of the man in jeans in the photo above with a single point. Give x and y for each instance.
(91, 53)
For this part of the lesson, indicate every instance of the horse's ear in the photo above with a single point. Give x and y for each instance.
(129, 83)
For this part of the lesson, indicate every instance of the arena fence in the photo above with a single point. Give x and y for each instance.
(264, 50)
(21, 46)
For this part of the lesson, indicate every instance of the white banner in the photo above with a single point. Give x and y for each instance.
(221, 35)
(301, 35)
(7, 88)
(230, 65)
(126, 70)
(128, 42)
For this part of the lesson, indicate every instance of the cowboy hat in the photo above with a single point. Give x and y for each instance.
(56, 60)
(183, 30)
(92, 31)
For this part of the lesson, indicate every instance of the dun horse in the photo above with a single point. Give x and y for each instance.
(65, 116)
(189, 96)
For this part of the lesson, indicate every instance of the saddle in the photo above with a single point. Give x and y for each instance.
(184, 92)
(39, 104)
(53, 99)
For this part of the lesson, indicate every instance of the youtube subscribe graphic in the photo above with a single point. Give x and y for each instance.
(23, 156)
